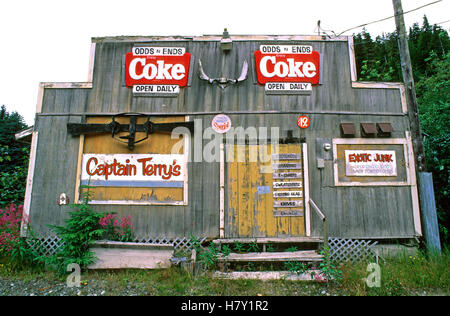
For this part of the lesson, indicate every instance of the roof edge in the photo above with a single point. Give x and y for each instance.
(321, 38)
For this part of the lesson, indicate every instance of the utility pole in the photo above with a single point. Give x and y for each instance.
(424, 179)
(408, 80)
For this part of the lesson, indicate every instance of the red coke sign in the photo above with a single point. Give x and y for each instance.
(157, 66)
(287, 63)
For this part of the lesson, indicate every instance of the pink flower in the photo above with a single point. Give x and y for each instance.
(125, 222)
(320, 277)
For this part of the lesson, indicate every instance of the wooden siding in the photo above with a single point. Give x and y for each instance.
(351, 211)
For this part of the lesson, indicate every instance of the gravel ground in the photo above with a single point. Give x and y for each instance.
(48, 284)
(45, 287)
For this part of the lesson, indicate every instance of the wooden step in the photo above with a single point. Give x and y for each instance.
(266, 275)
(130, 255)
(268, 240)
(304, 255)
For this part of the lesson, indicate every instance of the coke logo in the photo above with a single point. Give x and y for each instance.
(287, 67)
(157, 69)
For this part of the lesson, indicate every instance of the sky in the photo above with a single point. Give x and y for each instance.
(49, 40)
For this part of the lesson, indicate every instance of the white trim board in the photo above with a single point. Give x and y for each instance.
(29, 185)
(373, 85)
(306, 190)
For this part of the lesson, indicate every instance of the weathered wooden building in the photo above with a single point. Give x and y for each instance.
(305, 135)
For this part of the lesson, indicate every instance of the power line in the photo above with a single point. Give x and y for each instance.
(384, 19)
(442, 22)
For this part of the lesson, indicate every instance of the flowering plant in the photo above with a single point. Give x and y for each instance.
(10, 220)
(117, 229)
(12, 246)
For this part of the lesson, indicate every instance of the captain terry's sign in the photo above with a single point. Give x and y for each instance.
(287, 68)
(157, 70)
(133, 170)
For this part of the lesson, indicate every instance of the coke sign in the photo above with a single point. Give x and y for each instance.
(148, 66)
(287, 67)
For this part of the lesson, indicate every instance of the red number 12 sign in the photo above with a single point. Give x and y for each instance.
(303, 121)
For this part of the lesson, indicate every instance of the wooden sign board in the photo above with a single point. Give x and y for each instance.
(287, 175)
(132, 170)
(372, 163)
(286, 156)
(376, 162)
(293, 212)
(287, 194)
(298, 203)
(285, 185)
(278, 166)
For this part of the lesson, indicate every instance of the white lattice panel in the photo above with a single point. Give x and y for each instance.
(344, 250)
(50, 244)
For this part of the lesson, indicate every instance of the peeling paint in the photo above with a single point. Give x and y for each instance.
(250, 205)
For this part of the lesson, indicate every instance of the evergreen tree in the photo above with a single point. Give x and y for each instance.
(13, 159)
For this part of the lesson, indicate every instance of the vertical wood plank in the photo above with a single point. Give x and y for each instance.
(245, 214)
(29, 185)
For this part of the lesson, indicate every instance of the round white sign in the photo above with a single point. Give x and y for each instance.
(221, 123)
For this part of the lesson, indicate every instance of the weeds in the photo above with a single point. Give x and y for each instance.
(238, 247)
(328, 269)
(226, 250)
(296, 267)
(253, 247)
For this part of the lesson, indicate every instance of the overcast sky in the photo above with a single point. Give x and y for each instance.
(49, 40)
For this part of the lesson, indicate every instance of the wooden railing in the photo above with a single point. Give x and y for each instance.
(324, 222)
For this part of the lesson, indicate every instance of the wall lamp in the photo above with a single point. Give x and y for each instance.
(226, 43)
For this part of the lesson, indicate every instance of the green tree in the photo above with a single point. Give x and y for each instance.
(13, 159)
(434, 113)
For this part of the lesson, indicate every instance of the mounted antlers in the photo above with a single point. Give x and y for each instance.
(222, 82)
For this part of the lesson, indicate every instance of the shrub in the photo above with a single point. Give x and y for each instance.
(80, 231)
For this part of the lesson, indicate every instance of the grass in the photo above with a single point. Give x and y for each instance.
(403, 275)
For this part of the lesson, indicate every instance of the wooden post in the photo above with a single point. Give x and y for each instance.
(429, 216)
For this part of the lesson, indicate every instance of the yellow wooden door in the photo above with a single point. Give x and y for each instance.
(265, 191)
